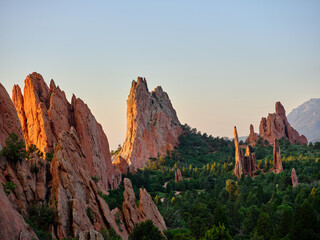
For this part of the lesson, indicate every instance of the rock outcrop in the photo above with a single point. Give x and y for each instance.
(80, 207)
(45, 112)
(245, 165)
(294, 177)
(147, 209)
(12, 224)
(9, 121)
(276, 126)
(177, 176)
(121, 164)
(277, 162)
(253, 137)
(153, 127)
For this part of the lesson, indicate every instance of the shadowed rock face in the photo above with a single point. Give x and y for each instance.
(153, 127)
(276, 126)
(243, 164)
(12, 224)
(277, 162)
(9, 121)
(147, 209)
(74, 192)
(45, 112)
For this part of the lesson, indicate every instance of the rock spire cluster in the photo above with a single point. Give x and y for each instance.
(153, 127)
(244, 164)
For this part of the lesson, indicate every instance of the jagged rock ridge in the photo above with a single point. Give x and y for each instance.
(153, 127)
(276, 126)
(45, 112)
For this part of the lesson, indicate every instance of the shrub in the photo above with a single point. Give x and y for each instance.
(14, 149)
(146, 231)
(8, 187)
(95, 179)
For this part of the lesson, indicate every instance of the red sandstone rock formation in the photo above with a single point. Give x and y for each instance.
(12, 224)
(9, 121)
(121, 164)
(178, 176)
(243, 164)
(253, 137)
(45, 113)
(276, 126)
(147, 209)
(277, 162)
(74, 192)
(153, 127)
(238, 169)
(294, 177)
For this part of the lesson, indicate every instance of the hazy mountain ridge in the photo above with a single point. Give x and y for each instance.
(306, 119)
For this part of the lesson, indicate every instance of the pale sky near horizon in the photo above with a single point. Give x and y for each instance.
(222, 63)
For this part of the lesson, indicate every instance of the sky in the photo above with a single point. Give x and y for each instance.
(222, 63)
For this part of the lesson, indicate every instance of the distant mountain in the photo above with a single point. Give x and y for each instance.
(306, 119)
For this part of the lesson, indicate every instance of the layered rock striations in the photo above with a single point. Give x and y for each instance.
(276, 126)
(45, 112)
(147, 210)
(153, 127)
(277, 162)
(244, 164)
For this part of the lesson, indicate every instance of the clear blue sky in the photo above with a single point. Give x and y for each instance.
(223, 63)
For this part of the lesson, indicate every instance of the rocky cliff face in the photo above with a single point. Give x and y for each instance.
(147, 210)
(9, 121)
(45, 112)
(276, 126)
(253, 137)
(80, 207)
(243, 164)
(153, 127)
(277, 162)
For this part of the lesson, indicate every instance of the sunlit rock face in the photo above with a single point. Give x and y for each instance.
(244, 164)
(45, 112)
(276, 126)
(153, 127)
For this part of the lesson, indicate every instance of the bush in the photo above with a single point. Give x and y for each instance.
(41, 216)
(14, 149)
(9, 187)
(146, 231)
